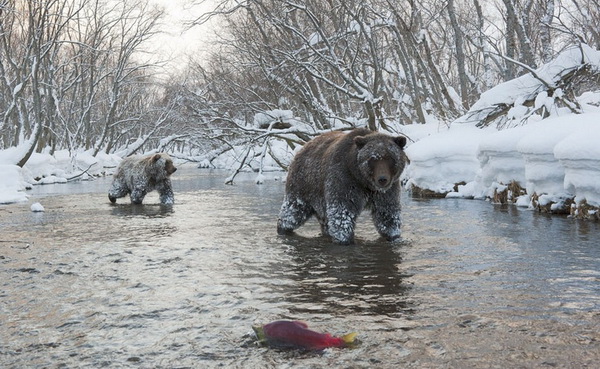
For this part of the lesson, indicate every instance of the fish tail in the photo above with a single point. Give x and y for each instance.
(349, 338)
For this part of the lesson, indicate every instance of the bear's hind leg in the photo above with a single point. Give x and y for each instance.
(292, 215)
(323, 223)
(137, 195)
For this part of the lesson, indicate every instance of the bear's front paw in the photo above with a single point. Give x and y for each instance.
(282, 230)
(395, 238)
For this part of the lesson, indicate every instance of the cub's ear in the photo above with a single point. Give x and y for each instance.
(360, 141)
(156, 157)
(400, 141)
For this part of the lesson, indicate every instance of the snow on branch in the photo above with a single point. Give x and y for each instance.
(544, 91)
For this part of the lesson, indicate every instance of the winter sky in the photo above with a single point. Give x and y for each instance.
(178, 41)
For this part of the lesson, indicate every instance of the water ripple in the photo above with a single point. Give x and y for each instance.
(91, 284)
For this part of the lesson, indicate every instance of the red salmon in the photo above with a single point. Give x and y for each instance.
(285, 333)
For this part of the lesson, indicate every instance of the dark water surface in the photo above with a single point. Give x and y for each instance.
(87, 284)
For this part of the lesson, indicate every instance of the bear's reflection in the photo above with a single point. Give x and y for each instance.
(147, 210)
(363, 278)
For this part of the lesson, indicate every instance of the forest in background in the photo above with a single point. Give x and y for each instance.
(75, 74)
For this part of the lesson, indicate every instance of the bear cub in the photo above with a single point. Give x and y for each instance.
(337, 175)
(136, 176)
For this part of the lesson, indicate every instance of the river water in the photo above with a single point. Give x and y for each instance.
(88, 284)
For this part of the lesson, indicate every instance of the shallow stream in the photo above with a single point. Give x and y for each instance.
(88, 284)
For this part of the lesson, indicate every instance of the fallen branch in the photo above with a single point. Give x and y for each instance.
(229, 180)
(551, 88)
(82, 173)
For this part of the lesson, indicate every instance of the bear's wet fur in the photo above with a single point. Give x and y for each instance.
(337, 175)
(136, 176)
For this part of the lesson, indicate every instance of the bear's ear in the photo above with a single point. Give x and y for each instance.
(156, 157)
(360, 141)
(400, 141)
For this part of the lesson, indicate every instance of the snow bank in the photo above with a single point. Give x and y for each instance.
(543, 171)
(438, 162)
(12, 184)
(417, 132)
(499, 160)
(555, 159)
(43, 168)
(579, 155)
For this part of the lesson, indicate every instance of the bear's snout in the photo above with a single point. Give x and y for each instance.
(382, 173)
(170, 168)
(383, 181)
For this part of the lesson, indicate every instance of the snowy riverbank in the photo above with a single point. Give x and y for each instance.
(43, 168)
(547, 165)
(546, 156)
(552, 164)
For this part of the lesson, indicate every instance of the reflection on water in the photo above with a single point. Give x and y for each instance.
(92, 284)
(364, 279)
(150, 211)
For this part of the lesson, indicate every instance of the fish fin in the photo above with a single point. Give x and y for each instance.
(300, 323)
(349, 338)
(260, 333)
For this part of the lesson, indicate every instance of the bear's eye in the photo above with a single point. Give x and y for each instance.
(374, 159)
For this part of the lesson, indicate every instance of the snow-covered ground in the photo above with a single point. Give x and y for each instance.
(557, 158)
(43, 168)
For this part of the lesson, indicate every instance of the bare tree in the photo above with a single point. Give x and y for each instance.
(579, 20)
(480, 40)
(133, 26)
(30, 34)
(460, 56)
(546, 30)
(518, 28)
(73, 75)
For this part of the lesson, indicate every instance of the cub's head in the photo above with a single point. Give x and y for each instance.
(381, 159)
(164, 161)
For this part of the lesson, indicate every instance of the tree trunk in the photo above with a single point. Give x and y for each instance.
(519, 29)
(545, 29)
(460, 56)
(487, 82)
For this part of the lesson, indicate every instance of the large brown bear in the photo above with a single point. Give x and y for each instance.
(137, 176)
(336, 175)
